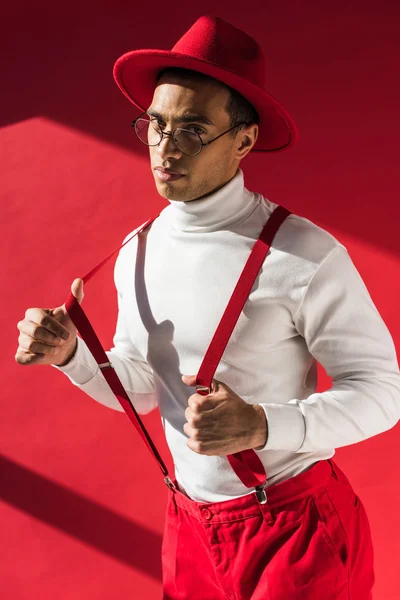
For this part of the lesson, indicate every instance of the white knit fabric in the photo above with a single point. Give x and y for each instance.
(308, 304)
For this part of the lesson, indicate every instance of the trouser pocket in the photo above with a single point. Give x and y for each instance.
(332, 526)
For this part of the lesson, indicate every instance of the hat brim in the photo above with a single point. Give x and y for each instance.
(135, 73)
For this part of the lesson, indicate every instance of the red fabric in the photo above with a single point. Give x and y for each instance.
(220, 50)
(311, 541)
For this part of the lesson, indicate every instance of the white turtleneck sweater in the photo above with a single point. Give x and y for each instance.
(308, 304)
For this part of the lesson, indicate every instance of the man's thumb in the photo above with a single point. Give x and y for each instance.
(77, 289)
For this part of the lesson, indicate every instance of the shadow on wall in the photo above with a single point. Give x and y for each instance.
(335, 83)
(80, 517)
(60, 64)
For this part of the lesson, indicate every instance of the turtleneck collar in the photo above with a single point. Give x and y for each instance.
(230, 204)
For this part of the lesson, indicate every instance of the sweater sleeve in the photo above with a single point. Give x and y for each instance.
(345, 333)
(132, 369)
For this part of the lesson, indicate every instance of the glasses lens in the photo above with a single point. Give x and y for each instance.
(147, 132)
(187, 141)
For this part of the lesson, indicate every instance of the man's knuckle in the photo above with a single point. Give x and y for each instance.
(31, 346)
(30, 329)
(196, 406)
(22, 327)
(20, 357)
(196, 447)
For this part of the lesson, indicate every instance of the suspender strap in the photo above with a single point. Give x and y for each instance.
(103, 262)
(246, 464)
(82, 323)
(239, 297)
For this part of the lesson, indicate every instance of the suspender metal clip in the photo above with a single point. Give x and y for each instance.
(203, 390)
(261, 494)
(105, 365)
(169, 483)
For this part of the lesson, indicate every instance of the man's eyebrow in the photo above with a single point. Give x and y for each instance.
(186, 118)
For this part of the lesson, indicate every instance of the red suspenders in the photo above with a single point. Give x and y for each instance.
(246, 464)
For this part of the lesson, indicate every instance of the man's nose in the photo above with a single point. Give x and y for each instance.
(167, 148)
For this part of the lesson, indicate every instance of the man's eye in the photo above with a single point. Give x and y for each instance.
(199, 129)
(160, 124)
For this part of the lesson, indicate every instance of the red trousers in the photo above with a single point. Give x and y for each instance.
(310, 541)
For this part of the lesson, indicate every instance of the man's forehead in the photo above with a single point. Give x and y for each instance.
(186, 116)
(173, 101)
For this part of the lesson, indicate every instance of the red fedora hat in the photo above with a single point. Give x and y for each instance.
(216, 48)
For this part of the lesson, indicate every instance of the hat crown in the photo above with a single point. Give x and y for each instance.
(214, 40)
(218, 49)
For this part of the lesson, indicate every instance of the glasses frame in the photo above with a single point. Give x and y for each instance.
(172, 135)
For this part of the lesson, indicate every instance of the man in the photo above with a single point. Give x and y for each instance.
(205, 108)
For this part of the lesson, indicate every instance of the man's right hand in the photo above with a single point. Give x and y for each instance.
(47, 335)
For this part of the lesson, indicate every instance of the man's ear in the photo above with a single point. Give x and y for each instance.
(246, 139)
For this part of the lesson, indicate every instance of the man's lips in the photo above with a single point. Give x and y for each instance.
(167, 174)
(170, 171)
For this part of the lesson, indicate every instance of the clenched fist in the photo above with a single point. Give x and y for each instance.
(47, 335)
(221, 422)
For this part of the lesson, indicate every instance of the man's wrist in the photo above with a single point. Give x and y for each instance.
(261, 430)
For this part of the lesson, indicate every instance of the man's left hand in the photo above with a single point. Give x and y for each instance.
(222, 423)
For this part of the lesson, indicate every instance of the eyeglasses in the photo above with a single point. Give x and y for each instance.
(188, 142)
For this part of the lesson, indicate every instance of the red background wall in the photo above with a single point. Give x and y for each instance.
(83, 504)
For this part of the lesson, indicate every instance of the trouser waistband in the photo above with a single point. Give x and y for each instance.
(245, 506)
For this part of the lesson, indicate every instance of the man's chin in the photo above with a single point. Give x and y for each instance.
(169, 191)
